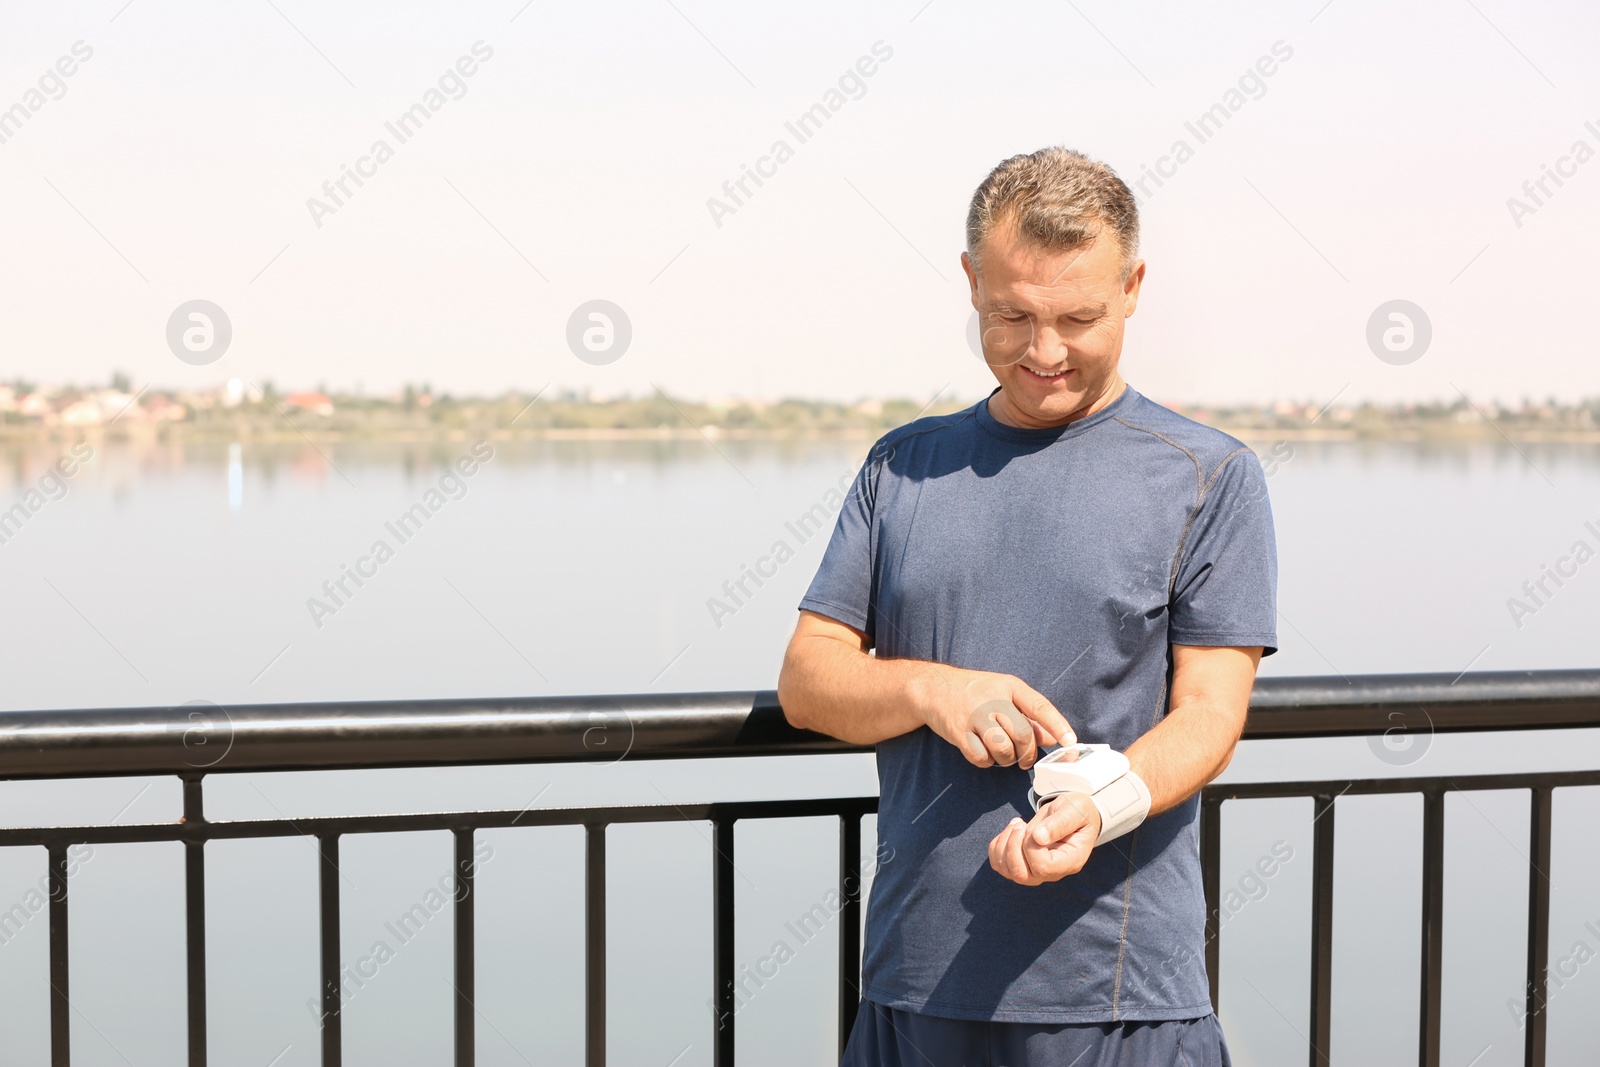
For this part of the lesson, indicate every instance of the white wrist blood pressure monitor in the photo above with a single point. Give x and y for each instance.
(1105, 775)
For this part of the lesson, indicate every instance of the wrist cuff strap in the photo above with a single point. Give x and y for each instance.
(1120, 795)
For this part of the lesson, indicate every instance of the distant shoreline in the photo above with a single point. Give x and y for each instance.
(215, 434)
(238, 412)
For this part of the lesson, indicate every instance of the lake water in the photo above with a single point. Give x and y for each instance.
(164, 574)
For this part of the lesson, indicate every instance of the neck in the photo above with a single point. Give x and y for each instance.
(1004, 411)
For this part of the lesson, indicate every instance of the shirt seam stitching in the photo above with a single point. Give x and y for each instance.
(892, 441)
(872, 613)
(1217, 470)
(1199, 471)
(1203, 485)
(870, 988)
(1217, 633)
(1199, 502)
(1122, 937)
(1199, 497)
(828, 603)
(965, 414)
(1202, 1006)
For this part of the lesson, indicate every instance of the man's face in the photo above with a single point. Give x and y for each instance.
(1052, 325)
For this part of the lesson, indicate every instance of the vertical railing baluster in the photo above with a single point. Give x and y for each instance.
(722, 871)
(60, 1006)
(1321, 930)
(594, 952)
(1538, 924)
(1211, 880)
(328, 882)
(1432, 925)
(194, 856)
(465, 950)
(849, 924)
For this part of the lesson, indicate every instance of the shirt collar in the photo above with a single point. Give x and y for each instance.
(1051, 433)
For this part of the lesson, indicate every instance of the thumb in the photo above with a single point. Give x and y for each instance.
(1066, 814)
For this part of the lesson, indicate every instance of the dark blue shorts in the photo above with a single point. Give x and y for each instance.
(889, 1037)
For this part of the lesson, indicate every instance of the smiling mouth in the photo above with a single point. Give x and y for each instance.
(1046, 377)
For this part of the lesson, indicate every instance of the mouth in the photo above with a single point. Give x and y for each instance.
(1042, 377)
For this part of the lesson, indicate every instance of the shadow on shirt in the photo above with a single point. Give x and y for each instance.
(1055, 946)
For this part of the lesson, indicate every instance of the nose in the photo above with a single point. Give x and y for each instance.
(1047, 348)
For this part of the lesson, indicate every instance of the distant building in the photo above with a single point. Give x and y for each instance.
(82, 413)
(316, 403)
(102, 406)
(164, 409)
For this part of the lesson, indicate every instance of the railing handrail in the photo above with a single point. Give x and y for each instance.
(208, 738)
(196, 739)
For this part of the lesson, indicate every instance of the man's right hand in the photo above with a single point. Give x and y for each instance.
(993, 719)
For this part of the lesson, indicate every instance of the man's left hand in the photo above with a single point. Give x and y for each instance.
(1056, 842)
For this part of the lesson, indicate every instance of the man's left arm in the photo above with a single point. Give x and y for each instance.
(1189, 747)
(1194, 742)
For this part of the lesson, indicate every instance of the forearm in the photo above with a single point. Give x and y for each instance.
(829, 687)
(1185, 751)
(830, 684)
(1194, 742)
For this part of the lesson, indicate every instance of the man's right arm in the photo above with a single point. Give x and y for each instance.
(829, 683)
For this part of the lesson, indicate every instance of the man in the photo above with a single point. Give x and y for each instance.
(1063, 562)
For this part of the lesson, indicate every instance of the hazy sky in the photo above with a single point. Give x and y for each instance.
(1374, 164)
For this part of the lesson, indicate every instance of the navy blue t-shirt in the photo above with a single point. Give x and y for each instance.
(1073, 558)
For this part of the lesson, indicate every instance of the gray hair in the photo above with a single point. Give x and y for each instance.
(1057, 199)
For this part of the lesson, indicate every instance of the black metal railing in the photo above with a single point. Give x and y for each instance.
(193, 741)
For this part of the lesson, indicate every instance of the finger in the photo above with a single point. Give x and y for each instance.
(1019, 737)
(1013, 854)
(1041, 736)
(998, 740)
(972, 746)
(1064, 816)
(997, 849)
(1033, 704)
(1059, 843)
(996, 723)
(1000, 857)
(975, 750)
(994, 851)
(1051, 862)
(1038, 863)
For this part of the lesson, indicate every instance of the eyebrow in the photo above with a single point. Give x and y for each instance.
(1093, 311)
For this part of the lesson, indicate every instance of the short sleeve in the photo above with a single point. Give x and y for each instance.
(842, 587)
(1225, 591)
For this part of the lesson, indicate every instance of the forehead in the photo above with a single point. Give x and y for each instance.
(1013, 267)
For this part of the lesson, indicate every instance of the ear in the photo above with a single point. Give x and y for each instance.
(1130, 289)
(972, 277)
